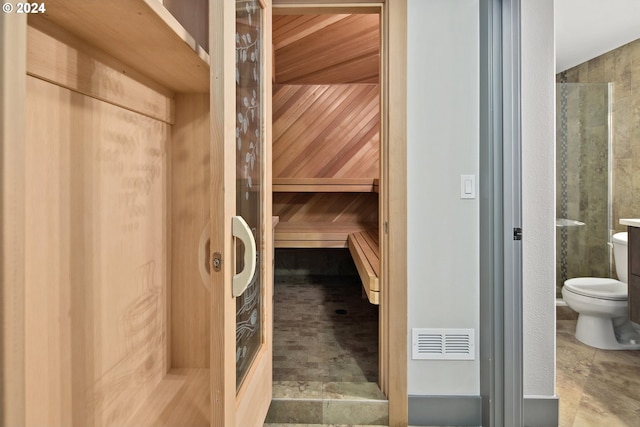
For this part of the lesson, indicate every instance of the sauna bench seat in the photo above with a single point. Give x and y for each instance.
(365, 250)
(316, 234)
(325, 185)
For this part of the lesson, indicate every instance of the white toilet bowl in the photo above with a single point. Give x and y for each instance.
(602, 306)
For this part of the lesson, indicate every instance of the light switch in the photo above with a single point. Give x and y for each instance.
(467, 186)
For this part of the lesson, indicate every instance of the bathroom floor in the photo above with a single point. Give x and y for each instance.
(596, 387)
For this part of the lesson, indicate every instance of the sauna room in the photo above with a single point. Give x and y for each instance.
(326, 169)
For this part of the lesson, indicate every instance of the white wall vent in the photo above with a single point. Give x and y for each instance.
(443, 344)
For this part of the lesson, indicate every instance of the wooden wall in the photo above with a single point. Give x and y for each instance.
(190, 305)
(326, 131)
(326, 127)
(117, 193)
(96, 255)
(351, 208)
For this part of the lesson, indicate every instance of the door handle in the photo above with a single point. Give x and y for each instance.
(241, 280)
(203, 259)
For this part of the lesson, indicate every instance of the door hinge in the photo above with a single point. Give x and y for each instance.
(517, 233)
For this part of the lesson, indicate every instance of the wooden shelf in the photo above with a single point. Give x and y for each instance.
(319, 185)
(316, 234)
(140, 33)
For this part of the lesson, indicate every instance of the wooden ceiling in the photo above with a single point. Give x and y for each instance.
(326, 49)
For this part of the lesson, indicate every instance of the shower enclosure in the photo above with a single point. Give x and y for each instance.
(583, 181)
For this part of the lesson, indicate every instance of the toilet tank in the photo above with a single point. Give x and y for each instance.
(620, 255)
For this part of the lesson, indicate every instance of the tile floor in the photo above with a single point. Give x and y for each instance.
(324, 330)
(596, 387)
(325, 354)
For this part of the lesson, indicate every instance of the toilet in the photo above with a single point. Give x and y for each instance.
(602, 307)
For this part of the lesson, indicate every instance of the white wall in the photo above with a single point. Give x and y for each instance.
(587, 29)
(442, 144)
(538, 196)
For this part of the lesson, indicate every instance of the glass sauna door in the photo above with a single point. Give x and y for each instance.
(241, 242)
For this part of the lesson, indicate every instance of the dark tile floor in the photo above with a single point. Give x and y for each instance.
(324, 330)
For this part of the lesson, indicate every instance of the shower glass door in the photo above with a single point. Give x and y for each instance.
(583, 181)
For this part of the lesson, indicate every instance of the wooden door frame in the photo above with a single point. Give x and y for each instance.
(393, 189)
(13, 73)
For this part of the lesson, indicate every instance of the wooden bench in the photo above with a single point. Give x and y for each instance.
(316, 234)
(365, 250)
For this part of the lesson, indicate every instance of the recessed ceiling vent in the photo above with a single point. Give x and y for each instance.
(443, 344)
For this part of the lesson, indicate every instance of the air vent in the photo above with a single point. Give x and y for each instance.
(443, 344)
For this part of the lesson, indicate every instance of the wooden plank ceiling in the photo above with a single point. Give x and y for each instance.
(326, 49)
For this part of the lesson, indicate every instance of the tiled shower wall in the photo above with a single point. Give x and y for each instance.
(582, 180)
(621, 67)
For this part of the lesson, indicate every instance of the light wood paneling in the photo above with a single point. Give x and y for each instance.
(140, 33)
(13, 38)
(326, 207)
(326, 131)
(322, 49)
(394, 285)
(181, 399)
(322, 219)
(190, 305)
(57, 56)
(96, 258)
(222, 204)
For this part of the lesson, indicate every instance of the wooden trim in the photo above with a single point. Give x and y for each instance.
(56, 56)
(223, 203)
(314, 185)
(396, 202)
(383, 206)
(145, 36)
(13, 39)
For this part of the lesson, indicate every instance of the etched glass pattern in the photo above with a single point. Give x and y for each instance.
(249, 158)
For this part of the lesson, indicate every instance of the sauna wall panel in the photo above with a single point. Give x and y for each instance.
(96, 258)
(326, 131)
(190, 299)
(360, 208)
(323, 49)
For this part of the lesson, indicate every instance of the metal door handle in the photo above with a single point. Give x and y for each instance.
(242, 231)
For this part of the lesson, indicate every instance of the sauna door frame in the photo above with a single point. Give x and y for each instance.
(393, 347)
